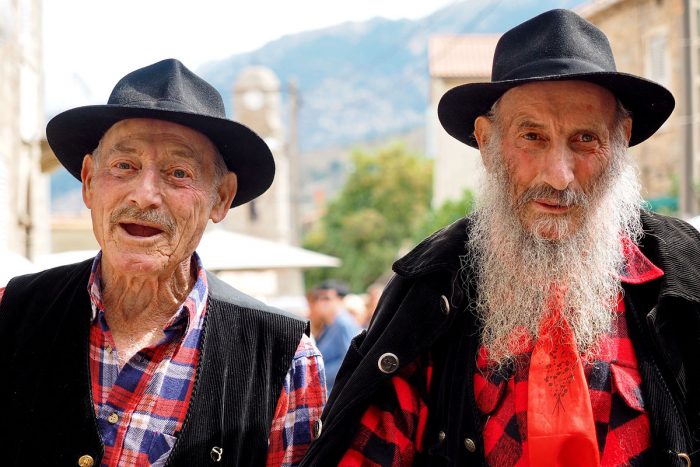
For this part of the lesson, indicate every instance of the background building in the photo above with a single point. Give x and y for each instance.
(455, 60)
(23, 183)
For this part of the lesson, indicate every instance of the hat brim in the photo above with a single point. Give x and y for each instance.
(649, 103)
(76, 132)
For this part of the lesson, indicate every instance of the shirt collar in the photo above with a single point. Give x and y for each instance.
(192, 308)
(637, 268)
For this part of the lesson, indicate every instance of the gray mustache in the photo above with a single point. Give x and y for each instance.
(567, 197)
(131, 213)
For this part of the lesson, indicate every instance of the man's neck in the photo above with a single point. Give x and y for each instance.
(137, 308)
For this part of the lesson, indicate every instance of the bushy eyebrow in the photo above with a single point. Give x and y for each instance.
(124, 148)
(529, 124)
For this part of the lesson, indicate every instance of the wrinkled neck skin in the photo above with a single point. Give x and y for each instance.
(137, 307)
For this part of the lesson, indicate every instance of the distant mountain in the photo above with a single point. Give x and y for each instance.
(365, 80)
(358, 82)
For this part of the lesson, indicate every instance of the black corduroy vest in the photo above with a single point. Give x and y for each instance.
(45, 396)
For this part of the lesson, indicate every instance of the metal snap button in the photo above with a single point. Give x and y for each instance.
(216, 453)
(86, 461)
(469, 444)
(388, 363)
(685, 457)
(444, 305)
(316, 429)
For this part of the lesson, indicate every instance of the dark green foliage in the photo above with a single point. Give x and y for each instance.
(385, 199)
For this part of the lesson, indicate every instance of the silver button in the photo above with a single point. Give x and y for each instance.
(441, 437)
(388, 363)
(216, 453)
(316, 429)
(444, 305)
(469, 444)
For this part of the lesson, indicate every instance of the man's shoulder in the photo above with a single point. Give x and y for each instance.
(442, 250)
(55, 278)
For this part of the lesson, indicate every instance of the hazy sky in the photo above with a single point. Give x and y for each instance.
(90, 44)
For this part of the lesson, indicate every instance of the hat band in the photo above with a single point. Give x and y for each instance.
(550, 68)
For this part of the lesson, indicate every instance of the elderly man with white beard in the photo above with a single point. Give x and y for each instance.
(560, 324)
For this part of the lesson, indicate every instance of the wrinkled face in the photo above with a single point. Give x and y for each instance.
(555, 144)
(151, 190)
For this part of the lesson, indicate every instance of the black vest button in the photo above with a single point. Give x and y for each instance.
(444, 305)
(388, 363)
(469, 444)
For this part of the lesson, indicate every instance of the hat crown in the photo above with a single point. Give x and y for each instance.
(168, 85)
(557, 42)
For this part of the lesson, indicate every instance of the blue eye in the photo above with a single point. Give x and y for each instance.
(179, 173)
(587, 138)
(123, 165)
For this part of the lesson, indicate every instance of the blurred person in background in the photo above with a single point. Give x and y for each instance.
(140, 356)
(559, 325)
(336, 326)
(357, 307)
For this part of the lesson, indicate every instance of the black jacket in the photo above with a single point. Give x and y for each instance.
(46, 408)
(426, 308)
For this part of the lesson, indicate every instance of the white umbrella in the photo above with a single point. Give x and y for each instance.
(13, 264)
(223, 250)
(52, 260)
(694, 221)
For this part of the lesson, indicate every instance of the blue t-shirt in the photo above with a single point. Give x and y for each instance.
(334, 342)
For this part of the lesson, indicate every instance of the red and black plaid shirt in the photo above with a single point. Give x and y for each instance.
(391, 430)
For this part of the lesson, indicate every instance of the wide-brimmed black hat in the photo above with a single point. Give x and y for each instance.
(166, 90)
(553, 46)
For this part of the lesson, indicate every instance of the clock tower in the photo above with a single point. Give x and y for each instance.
(257, 105)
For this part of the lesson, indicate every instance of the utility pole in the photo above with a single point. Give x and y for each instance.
(294, 161)
(687, 189)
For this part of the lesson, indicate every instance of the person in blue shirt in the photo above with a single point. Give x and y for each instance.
(334, 326)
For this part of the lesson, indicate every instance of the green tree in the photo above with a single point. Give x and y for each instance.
(385, 197)
(448, 212)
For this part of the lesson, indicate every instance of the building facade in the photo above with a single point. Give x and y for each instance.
(455, 60)
(24, 203)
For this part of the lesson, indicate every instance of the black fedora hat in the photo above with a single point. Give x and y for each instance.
(555, 45)
(166, 90)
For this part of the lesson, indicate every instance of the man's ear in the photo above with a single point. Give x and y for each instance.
(628, 128)
(483, 127)
(224, 197)
(86, 174)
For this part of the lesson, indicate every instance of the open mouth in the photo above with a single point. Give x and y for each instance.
(138, 230)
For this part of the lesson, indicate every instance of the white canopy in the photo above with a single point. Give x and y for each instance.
(695, 222)
(223, 250)
(13, 264)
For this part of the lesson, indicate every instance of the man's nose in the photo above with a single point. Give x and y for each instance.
(147, 192)
(558, 169)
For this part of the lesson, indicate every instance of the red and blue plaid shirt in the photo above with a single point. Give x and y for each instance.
(140, 409)
(391, 430)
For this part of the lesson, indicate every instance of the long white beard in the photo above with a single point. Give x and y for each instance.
(516, 268)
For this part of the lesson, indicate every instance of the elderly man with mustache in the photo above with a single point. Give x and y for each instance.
(560, 324)
(139, 356)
